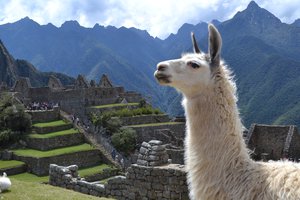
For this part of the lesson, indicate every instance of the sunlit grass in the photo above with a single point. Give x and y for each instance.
(154, 124)
(54, 134)
(54, 152)
(116, 105)
(50, 124)
(4, 164)
(31, 190)
(93, 170)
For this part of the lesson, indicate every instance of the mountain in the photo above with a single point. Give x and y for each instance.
(11, 70)
(296, 23)
(260, 49)
(126, 55)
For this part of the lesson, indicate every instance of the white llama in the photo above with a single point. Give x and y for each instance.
(216, 157)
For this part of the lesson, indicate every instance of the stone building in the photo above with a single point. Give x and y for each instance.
(273, 142)
(73, 98)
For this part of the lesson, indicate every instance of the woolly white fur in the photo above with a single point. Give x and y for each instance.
(216, 157)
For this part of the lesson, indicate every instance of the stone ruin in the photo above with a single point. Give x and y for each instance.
(150, 178)
(152, 153)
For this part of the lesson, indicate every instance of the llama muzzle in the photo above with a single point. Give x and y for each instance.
(162, 78)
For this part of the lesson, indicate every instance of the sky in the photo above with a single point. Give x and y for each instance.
(158, 17)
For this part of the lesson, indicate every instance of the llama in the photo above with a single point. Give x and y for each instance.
(5, 183)
(217, 161)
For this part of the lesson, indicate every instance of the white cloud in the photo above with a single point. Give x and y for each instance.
(159, 18)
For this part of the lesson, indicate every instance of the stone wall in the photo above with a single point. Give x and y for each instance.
(141, 182)
(150, 132)
(14, 170)
(144, 119)
(40, 166)
(294, 150)
(162, 182)
(55, 142)
(44, 115)
(268, 140)
(176, 155)
(50, 129)
(151, 182)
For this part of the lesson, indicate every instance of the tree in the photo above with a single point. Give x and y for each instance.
(14, 121)
(124, 140)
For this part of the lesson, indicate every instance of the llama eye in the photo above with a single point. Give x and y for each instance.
(193, 65)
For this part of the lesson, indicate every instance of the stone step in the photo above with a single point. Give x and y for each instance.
(11, 167)
(53, 126)
(144, 119)
(38, 161)
(69, 137)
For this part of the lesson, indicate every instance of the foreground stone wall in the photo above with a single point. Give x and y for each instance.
(141, 182)
(166, 182)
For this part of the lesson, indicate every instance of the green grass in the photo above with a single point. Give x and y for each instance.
(154, 124)
(53, 152)
(30, 178)
(93, 170)
(49, 124)
(116, 105)
(4, 164)
(24, 190)
(55, 134)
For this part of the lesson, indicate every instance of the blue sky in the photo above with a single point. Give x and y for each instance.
(158, 17)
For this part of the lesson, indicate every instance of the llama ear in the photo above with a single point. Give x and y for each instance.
(195, 45)
(215, 44)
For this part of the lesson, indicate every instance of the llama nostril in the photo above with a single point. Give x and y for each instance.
(161, 67)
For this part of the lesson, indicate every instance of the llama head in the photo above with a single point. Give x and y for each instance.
(193, 72)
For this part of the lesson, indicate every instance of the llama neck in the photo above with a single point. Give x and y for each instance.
(214, 129)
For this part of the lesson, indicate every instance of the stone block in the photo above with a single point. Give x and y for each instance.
(146, 145)
(155, 142)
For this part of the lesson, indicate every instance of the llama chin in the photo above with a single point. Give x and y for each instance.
(217, 160)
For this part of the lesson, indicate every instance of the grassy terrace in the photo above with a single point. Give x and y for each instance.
(49, 124)
(10, 164)
(93, 170)
(154, 124)
(54, 152)
(55, 134)
(30, 178)
(116, 105)
(33, 190)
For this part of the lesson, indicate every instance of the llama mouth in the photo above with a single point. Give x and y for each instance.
(162, 79)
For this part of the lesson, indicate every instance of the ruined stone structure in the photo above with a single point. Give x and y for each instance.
(160, 181)
(273, 142)
(152, 154)
(74, 98)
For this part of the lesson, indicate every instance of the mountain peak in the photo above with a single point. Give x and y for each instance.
(72, 24)
(27, 22)
(254, 14)
(253, 5)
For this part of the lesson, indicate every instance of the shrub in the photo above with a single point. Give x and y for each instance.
(142, 103)
(124, 140)
(14, 121)
(113, 125)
